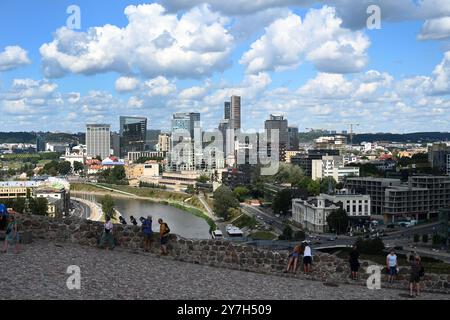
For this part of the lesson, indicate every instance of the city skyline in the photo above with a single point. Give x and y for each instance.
(315, 62)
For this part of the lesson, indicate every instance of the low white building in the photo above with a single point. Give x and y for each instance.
(312, 213)
(356, 205)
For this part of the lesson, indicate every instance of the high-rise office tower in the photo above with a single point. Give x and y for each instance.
(185, 121)
(115, 143)
(40, 143)
(133, 134)
(278, 123)
(293, 139)
(227, 110)
(236, 112)
(98, 140)
(152, 139)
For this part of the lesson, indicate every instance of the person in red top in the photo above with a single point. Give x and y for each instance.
(293, 259)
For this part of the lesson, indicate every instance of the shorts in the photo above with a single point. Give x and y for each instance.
(164, 240)
(392, 271)
(307, 260)
(414, 278)
(148, 236)
(294, 255)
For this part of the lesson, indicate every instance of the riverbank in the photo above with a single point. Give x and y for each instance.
(83, 189)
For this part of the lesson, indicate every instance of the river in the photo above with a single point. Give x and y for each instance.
(180, 222)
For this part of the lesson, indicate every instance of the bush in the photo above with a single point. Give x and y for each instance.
(416, 238)
(370, 246)
(425, 238)
(299, 235)
(287, 233)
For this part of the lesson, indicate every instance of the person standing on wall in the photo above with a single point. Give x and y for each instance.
(148, 233)
(164, 232)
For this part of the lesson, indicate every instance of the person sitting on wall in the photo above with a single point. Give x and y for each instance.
(133, 221)
(122, 220)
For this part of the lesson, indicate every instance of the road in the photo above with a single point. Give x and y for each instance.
(277, 225)
(80, 210)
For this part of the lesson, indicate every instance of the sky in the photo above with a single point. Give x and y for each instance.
(320, 63)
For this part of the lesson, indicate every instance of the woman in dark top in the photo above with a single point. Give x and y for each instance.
(354, 263)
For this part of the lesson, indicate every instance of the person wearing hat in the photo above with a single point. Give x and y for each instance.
(148, 233)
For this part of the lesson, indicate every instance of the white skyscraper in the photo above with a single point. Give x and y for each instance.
(98, 140)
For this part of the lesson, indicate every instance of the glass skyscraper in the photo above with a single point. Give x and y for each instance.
(133, 134)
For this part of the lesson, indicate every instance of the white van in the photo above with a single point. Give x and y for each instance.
(217, 234)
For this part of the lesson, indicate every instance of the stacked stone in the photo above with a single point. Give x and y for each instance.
(217, 253)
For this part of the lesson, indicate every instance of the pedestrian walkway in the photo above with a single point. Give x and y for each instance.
(40, 273)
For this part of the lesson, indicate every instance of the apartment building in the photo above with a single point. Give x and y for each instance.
(374, 187)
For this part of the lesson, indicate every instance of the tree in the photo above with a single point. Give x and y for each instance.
(39, 206)
(118, 173)
(203, 179)
(288, 173)
(425, 238)
(78, 166)
(370, 246)
(327, 183)
(299, 235)
(224, 199)
(338, 221)
(241, 193)
(416, 237)
(313, 187)
(287, 233)
(282, 202)
(190, 189)
(64, 168)
(108, 206)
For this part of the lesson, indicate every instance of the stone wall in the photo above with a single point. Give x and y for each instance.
(217, 253)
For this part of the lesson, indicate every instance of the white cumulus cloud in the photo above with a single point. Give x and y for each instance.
(154, 42)
(13, 57)
(320, 39)
(126, 84)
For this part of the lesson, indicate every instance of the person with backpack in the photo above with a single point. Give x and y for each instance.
(417, 271)
(148, 233)
(12, 235)
(107, 239)
(164, 232)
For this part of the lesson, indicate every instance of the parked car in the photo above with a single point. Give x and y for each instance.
(217, 234)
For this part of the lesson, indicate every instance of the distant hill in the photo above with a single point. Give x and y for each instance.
(415, 137)
(30, 137)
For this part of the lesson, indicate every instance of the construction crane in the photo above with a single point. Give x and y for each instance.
(351, 131)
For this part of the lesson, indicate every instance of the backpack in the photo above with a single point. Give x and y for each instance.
(167, 229)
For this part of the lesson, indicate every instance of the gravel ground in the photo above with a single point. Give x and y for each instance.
(39, 272)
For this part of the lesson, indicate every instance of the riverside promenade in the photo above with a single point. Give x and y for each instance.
(39, 272)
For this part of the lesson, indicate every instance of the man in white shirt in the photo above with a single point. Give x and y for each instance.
(307, 258)
(391, 265)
